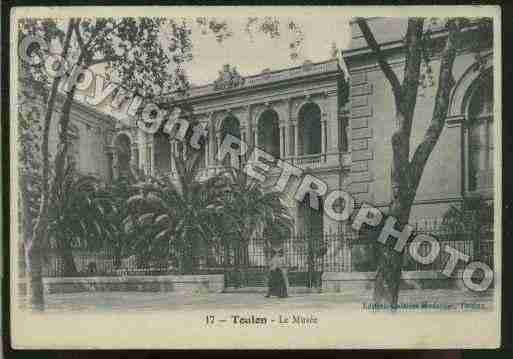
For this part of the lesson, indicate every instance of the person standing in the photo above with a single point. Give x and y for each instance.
(278, 280)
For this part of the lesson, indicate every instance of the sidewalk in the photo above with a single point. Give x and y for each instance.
(147, 301)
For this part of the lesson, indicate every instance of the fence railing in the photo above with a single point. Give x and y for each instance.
(346, 251)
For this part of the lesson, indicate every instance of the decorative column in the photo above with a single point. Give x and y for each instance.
(255, 134)
(211, 145)
(206, 148)
(296, 139)
(149, 156)
(323, 136)
(176, 149)
(244, 136)
(115, 164)
(134, 156)
(286, 140)
(171, 154)
(282, 142)
(288, 129)
(343, 123)
(211, 140)
(346, 254)
(218, 146)
(109, 153)
(482, 154)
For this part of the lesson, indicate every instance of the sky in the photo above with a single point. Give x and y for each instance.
(253, 53)
(251, 56)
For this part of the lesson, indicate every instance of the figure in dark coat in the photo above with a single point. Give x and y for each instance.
(278, 281)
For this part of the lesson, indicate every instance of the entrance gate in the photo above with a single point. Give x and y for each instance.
(304, 256)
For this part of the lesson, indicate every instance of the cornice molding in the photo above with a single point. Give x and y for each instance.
(276, 101)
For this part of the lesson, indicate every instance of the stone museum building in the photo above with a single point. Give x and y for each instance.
(336, 126)
(334, 119)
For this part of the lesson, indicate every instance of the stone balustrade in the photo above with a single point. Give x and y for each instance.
(306, 69)
(314, 161)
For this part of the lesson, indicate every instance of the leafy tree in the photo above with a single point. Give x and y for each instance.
(75, 217)
(116, 224)
(143, 54)
(408, 166)
(34, 242)
(136, 52)
(90, 214)
(472, 220)
(30, 118)
(250, 210)
(176, 214)
(274, 27)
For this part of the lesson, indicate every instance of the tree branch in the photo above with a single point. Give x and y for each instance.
(411, 71)
(383, 64)
(80, 40)
(104, 59)
(445, 85)
(91, 43)
(40, 228)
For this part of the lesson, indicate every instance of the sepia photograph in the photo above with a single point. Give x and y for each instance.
(255, 177)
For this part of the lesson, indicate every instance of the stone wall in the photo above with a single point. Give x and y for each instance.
(186, 284)
(348, 281)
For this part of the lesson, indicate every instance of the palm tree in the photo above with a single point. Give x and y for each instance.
(177, 215)
(116, 224)
(474, 220)
(252, 210)
(75, 218)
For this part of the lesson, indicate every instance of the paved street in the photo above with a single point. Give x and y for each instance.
(146, 301)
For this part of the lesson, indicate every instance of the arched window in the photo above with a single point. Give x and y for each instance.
(269, 133)
(480, 135)
(309, 126)
(162, 153)
(123, 155)
(230, 126)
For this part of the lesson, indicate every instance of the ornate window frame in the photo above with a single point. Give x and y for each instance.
(458, 111)
(467, 125)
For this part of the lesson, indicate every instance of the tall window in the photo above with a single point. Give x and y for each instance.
(269, 133)
(481, 135)
(123, 155)
(162, 153)
(309, 129)
(230, 126)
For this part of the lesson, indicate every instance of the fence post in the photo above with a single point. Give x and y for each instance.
(346, 251)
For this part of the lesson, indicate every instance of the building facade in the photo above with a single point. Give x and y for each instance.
(295, 114)
(339, 127)
(461, 164)
(334, 125)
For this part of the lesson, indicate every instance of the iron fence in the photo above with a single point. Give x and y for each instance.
(244, 263)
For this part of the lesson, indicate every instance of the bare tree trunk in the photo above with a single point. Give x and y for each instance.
(68, 263)
(63, 146)
(187, 255)
(34, 269)
(406, 174)
(388, 271)
(390, 261)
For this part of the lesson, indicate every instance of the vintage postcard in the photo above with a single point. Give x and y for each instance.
(255, 177)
